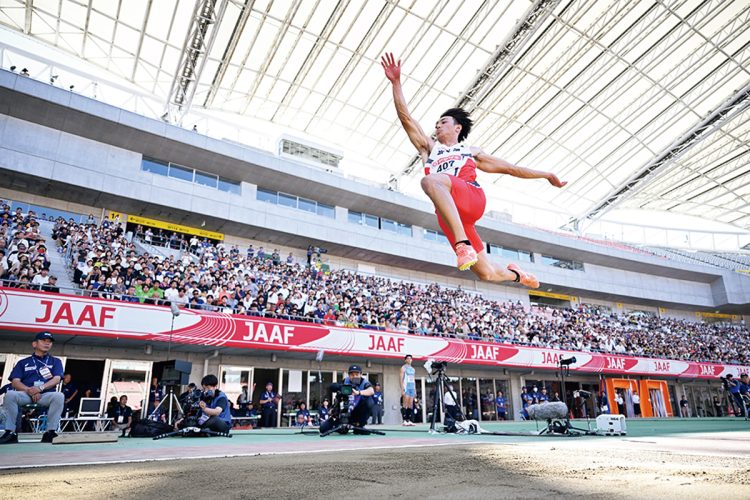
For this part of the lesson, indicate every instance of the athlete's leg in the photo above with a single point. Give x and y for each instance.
(489, 271)
(438, 188)
(408, 408)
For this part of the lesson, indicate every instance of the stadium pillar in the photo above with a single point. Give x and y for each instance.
(514, 397)
(392, 397)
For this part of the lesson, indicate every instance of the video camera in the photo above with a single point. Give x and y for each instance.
(193, 400)
(727, 383)
(434, 367)
(344, 389)
(341, 407)
(582, 394)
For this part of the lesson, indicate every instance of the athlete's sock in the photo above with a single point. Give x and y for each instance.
(465, 242)
(518, 276)
(403, 414)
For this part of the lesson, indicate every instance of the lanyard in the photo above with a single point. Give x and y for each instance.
(44, 362)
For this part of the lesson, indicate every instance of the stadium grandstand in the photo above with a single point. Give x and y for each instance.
(226, 183)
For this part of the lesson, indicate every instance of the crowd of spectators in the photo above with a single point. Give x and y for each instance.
(24, 262)
(255, 282)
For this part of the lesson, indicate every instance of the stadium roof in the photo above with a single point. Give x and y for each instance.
(639, 105)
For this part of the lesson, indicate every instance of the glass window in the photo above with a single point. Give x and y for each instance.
(294, 392)
(354, 217)
(205, 179)
(182, 173)
(267, 196)
(509, 253)
(230, 186)
(308, 205)
(154, 166)
(404, 229)
(562, 263)
(388, 225)
(287, 200)
(327, 211)
(372, 221)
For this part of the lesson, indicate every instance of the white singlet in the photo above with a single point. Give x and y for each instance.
(455, 160)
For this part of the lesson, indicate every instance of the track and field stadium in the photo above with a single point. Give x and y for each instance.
(458, 249)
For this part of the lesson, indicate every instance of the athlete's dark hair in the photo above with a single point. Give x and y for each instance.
(461, 117)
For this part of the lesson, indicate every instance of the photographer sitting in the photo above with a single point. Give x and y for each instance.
(214, 413)
(358, 406)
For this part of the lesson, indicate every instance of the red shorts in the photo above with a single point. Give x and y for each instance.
(470, 202)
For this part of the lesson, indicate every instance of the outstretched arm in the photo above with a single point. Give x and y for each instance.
(493, 165)
(421, 141)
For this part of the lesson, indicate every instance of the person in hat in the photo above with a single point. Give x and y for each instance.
(35, 380)
(360, 402)
(51, 285)
(269, 402)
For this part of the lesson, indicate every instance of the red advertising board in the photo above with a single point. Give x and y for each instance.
(23, 310)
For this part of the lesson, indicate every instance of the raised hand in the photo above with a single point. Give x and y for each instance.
(552, 178)
(392, 68)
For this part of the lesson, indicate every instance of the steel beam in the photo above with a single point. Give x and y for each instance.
(725, 112)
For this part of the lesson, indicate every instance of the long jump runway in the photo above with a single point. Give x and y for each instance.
(705, 458)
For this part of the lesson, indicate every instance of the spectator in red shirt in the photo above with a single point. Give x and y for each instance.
(330, 317)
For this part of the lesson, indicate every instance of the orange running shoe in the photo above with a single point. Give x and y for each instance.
(467, 256)
(524, 278)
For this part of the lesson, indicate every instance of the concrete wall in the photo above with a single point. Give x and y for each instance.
(54, 143)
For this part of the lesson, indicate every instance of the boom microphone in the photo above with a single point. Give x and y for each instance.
(556, 410)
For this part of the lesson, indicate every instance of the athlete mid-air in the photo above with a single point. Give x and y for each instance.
(450, 181)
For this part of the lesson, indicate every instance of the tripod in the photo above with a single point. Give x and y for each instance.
(563, 426)
(173, 402)
(344, 426)
(192, 431)
(441, 382)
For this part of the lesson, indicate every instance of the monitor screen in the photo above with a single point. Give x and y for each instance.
(89, 406)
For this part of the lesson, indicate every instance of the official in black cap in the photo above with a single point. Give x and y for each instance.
(35, 380)
(269, 402)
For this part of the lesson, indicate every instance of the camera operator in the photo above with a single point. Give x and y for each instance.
(744, 391)
(360, 402)
(214, 407)
(734, 387)
(192, 394)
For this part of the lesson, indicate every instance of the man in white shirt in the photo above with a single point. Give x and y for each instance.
(636, 404)
(40, 279)
(172, 293)
(449, 401)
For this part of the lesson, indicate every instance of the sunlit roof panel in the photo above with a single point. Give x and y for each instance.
(596, 90)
